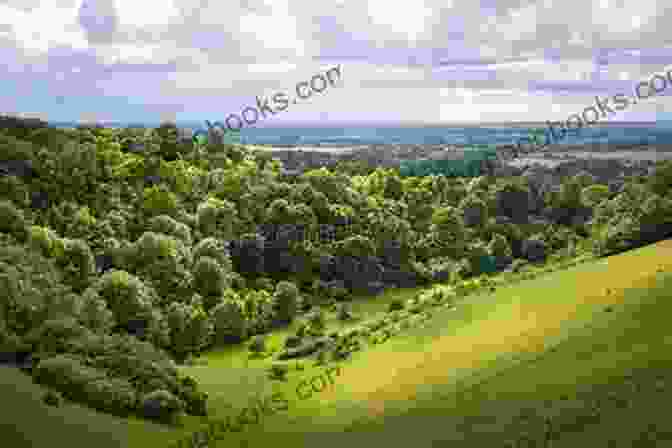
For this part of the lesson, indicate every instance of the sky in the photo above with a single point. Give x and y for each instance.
(432, 61)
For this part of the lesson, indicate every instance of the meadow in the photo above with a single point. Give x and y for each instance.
(578, 355)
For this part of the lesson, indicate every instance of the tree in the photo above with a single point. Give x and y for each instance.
(592, 195)
(216, 218)
(230, 323)
(190, 328)
(209, 277)
(285, 298)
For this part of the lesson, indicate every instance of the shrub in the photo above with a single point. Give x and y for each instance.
(292, 341)
(162, 405)
(278, 371)
(316, 323)
(258, 344)
(395, 305)
(52, 398)
(343, 313)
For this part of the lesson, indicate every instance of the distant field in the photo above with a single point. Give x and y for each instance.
(525, 349)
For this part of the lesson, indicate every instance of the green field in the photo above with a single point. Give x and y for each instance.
(531, 356)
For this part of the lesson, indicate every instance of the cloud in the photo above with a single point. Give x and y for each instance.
(206, 55)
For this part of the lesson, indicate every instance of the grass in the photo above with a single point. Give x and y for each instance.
(522, 350)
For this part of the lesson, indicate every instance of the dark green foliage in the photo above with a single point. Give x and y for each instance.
(395, 305)
(12, 220)
(190, 329)
(285, 298)
(229, 322)
(52, 398)
(162, 406)
(278, 371)
(209, 277)
(257, 344)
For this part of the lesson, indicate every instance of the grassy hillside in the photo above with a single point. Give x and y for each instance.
(489, 368)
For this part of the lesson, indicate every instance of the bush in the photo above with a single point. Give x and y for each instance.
(395, 305)
(278, 371)
(162, 405)
(292, 341)
(316, 323)
(258, 344)
(52, 398)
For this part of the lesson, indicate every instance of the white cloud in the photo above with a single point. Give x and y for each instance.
(45, 25)
(142, 13)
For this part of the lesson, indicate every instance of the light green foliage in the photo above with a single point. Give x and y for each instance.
(43, 239)
(592, 195)
(158, 200)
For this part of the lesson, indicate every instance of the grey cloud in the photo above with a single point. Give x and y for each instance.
(99, 20)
